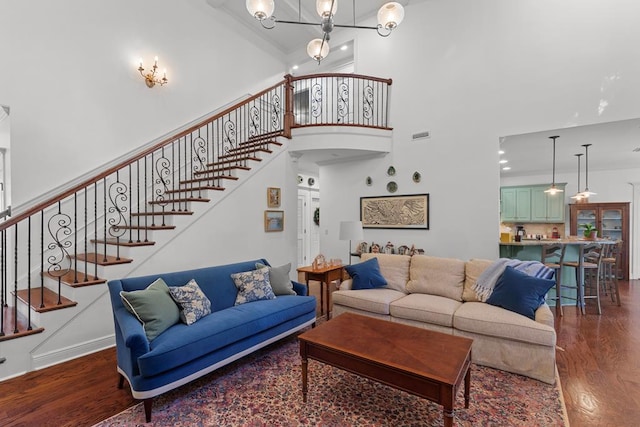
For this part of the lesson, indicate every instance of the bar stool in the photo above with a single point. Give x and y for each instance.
(587, 273)
(610, 270)
(552, 256)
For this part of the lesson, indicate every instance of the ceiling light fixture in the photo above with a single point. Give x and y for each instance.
(586, 193)
(578, 196)
(553, 189)
(150, 77)
(390, 15)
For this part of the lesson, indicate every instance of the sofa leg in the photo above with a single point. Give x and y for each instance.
(121, 381)
(147, 409)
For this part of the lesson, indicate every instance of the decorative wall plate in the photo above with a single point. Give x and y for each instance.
(300, 179)
(417, 177)
(391, 171)
(392, 187)
(369, 181)
(311, 181)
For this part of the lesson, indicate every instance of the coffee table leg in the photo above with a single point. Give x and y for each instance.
(447, 415)
(467, 387)
(304, 378)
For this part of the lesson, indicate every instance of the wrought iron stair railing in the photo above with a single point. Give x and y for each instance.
(68, 239)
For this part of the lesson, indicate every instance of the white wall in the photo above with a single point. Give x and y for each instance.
(77, 101)
(470, 72)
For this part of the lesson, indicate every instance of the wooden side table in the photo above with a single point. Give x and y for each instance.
(325, 276)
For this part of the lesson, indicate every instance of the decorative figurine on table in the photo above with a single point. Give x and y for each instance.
(319, 262)
(375, 248)
(403, 250)
(363, 248)
(388, 248)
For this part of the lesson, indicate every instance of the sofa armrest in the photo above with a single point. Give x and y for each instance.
(544, 315)
(300, 289)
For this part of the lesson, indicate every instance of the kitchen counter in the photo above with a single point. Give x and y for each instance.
(565, 241)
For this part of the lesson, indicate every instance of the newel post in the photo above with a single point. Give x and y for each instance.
(288, 105)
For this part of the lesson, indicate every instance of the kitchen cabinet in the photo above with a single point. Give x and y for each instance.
(612, 222)
(530, 203)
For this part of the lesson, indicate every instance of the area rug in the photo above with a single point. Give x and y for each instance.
(264, 389)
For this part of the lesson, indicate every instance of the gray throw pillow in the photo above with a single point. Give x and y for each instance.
(279, 278)
(153, 307)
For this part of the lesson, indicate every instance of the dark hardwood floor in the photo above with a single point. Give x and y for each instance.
(598, 363)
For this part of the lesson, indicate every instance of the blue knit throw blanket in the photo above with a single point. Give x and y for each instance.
(488, 278)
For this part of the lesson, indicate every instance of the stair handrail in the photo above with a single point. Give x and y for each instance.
(164, 142)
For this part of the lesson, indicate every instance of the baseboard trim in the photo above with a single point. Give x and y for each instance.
(45, 360)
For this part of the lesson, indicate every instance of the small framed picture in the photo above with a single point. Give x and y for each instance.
(273, 197)
(273, 221)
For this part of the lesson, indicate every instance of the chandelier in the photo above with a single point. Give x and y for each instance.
(390, 15)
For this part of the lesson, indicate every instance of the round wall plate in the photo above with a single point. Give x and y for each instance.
(311, 181)
(369, 181)
(300, 179)
(417, 177)
(391, 171)
(392, 187)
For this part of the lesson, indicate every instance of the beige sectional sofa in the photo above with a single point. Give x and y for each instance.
(435, 293)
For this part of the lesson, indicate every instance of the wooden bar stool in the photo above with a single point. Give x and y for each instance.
(610, 271)
(587, 273)
(552, 256)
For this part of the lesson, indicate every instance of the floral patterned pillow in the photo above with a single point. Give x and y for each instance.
(253, 285)
(193, 303)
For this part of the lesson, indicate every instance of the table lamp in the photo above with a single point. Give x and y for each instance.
(351, 230)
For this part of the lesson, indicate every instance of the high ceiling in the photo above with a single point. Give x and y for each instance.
(614, 146)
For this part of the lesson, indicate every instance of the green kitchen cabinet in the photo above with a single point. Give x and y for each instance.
(529, 203)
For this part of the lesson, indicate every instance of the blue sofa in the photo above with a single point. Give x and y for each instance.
(183, 353)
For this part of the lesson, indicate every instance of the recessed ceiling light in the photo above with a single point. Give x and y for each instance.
(506, 168)
(503, 161)
(344, 47)
(295, 67)
(501, 152)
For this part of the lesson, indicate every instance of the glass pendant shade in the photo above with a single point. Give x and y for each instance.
(390, 15)
(324, 7)
(318, 50)
(261, 9)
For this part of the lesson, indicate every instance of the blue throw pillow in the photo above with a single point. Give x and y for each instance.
(366, 275)
(519, 292)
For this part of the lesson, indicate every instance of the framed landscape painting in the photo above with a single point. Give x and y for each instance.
(273, 220)
(410, 211)
(273, 197)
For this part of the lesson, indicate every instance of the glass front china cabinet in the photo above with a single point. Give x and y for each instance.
(612, 222)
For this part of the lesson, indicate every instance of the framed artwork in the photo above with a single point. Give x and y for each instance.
(410, 211)
(273, 197)
(273, 221)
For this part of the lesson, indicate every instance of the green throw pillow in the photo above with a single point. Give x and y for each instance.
(153, 307)
(279, 279)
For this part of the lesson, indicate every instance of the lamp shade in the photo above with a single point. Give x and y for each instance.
(351, 230)
(390, 15)
(324, 7)
(260, 9)
(317, 49)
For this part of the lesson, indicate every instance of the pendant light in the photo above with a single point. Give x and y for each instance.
(553, 189)
(586, 193)
(578, 196)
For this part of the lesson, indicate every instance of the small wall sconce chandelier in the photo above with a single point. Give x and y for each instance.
(390, 16)
(150, 77)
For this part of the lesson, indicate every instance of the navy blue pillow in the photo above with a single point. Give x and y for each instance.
(518, 292)
(366, 275)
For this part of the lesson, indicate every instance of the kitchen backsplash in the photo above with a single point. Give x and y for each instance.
(542, 229)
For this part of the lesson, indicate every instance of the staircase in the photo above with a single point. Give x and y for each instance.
(77, 240)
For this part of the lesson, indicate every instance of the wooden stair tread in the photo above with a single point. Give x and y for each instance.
(245, 150)
(71, 276)
(208, 178)
(146, 227)
(101, 259)
(122, 242)
(223, 169)
(50, 299)
(195, 189)
(179, 200)
(11, 324)
(236, 159)
(161, 213)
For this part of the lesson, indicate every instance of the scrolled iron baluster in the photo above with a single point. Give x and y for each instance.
(163, 169)
(118, 198)
(275, 111)
(59, 228)
(199, 153)
(229, 136)
(316, 100)
(343, 101)
(367, 106)
(254, 121)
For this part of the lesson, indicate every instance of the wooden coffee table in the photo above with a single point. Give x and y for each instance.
(425, 363)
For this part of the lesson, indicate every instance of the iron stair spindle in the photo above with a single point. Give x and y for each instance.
(130, 207)
(95, 224)
(146, 202)
(138, 196)
(3, 291)
(42, 258)
(153, 188)
(75, 237)
(15, 280)
(86, 236)
(104, 211)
